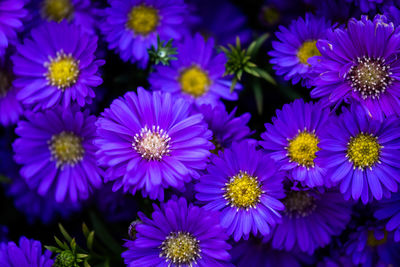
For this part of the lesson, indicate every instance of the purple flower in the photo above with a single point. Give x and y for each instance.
(359, 63)
(361, 154)
(197, 74)
(296, 49)
(310, 218)
(151, 141)
(226, 128)
(57, 152)
(11, 14)
(371, 246)
(131, 26)
(390, 209)
(10, 107)
(244, 185)
(81, 13)
(293, 139)
(28, 253)
(57, 65)
(178, 235)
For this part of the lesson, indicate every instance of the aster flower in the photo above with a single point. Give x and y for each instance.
(78, 12)
(293, 139)
(244, 185)
(222, 21)
(358, 63)
(311, 217)
(64, 161)
(11, 14)
(37, 207)
(151, 141)
(226, 128)
(131, 26)
(178, 235)
(372, 246)
(56, 65)
(296, 48)
(390, 209)
(197, 74)
(258, 252)
(361, 154)
(10, 107)
(28, 253)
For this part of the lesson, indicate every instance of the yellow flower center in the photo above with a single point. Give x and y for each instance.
(299, 204)
(243, 191)
(363, 150)
(180, 249)
(373, 242)
(194, 81)
(270, 15)
(143, 19)
(307, 49)
(152, 144)
(66, 148)
(62, 71)
(57, 10)
(302, 148)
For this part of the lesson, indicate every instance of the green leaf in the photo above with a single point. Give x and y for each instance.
(85, 230)
(265, 75)
(104, 235)
(255, 45)
(89, 241)
(258, 96)
(65, 233)
(53, 249)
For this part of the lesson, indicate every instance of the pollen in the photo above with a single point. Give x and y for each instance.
(143, 19)
(243, 191)
(363, 150)
(194, 81)
(62, 71)
(307, 50)
(370, 77)
(66, 148)
(302, 148)
(373, 242)
(299, 204)
(152, 144)
(180, 249)
(57, 10)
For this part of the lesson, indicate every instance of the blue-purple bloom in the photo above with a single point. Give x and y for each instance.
(359, 63)
(366, 5)
(131, 26)
(371, 246)
(197, 74)
(226, 128)
(390, 209)
(11, 14)
(178, 235)
(37, 207)
(296, 49)
(361, 154)
(293, 138)
(57, 152)
(57, 65)
(311, 217)
(28, 253)
(81, 13)
(245, 186)
(10, 108)
(151, 141)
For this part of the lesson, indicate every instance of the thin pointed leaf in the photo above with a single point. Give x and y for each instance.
(65, 233)
(89, 241)
(255, 45)
(85, 230)
(258, 96)
(266, 76)
(104, 235)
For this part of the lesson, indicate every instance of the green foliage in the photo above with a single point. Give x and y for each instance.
(163, 53)
(240, 60)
